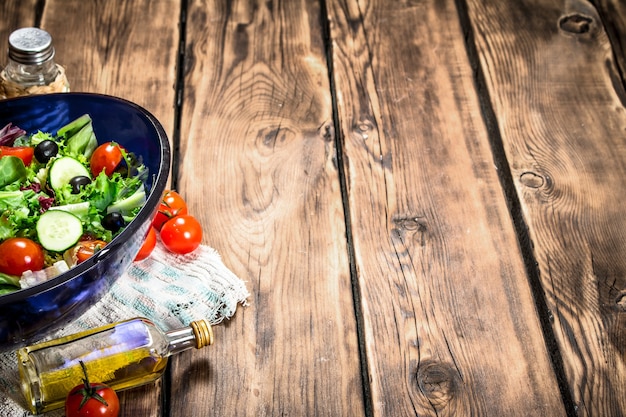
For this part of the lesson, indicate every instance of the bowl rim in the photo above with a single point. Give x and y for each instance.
(155, 194)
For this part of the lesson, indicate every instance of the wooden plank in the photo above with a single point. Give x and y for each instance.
(450, 322)
(257, 150)
(112, 49)
(556, 91)
(122, 48)
(15, 14)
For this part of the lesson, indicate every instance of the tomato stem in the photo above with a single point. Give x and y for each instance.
(88, 392)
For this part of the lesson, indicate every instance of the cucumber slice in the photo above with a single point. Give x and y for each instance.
(74, 126)
(63, 170)
(80, 210)
(58, 230)
(127, 205)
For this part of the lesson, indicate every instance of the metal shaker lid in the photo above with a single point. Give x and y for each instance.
(30, 46)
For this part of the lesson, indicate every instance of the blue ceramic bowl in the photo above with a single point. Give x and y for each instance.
(30, 314)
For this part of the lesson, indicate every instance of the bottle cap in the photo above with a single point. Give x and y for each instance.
(203, 332)
(30, 46)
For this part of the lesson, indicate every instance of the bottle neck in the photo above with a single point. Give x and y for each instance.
(198, 335)
(180, 340)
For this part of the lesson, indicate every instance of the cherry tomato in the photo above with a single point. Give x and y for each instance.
(91, 399)
(106, 157)
(25, 153)
(86, 248)
(181, 234)
(172, 205)
(148, 245)
(18, 254)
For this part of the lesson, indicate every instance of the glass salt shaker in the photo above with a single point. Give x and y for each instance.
(31, 68)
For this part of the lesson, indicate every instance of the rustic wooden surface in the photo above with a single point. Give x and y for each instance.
(258, 162)
(423, 196)
(560, 114)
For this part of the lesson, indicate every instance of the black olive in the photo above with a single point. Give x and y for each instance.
(78, 182)
(45, 150)
(113, 221)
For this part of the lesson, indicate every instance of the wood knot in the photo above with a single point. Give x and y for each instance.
(416, 227)
(532, 180)
(575, 23)
(328, 132)
(438, 381)
(274, 136)
(363, 128)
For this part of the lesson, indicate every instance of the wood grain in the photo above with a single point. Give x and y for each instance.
(258, 167)
(450, 323)
(127, 49)
(559, 101)
(613, 16)
(14, 16)
(123, 48)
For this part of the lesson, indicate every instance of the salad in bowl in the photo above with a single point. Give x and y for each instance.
(63, 197)
(31, 309)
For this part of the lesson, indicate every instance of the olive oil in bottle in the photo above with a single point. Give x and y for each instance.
(121, 355)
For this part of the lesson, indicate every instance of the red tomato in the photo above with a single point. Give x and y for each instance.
(106, 157)
(91, 399)
(19, 254)
(181, 234)
(100, 400)
(25, 153)
(148, 245)
(172, 205)
(86, 248)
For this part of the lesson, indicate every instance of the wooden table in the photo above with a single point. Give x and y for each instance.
(425, 197)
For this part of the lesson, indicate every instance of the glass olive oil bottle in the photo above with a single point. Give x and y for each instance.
(121, 355)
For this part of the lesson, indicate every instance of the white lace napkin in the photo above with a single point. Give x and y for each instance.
(171, 290)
